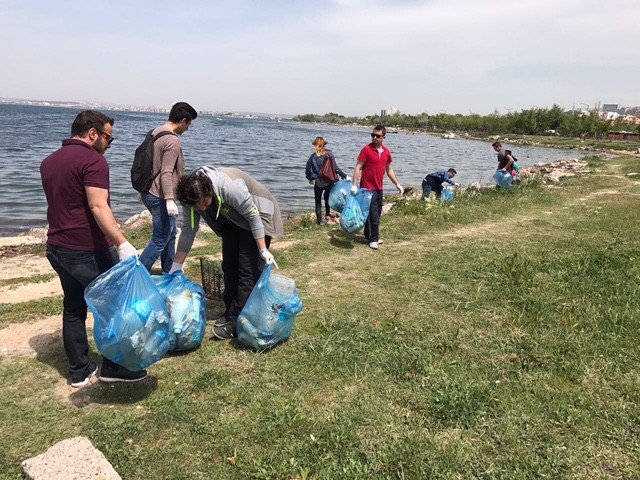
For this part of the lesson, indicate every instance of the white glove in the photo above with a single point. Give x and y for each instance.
(267, 256)
(347, 178)
(354, 189)
(172, 208)
(175, 267)
(456, 184)
(400, 189)
(126, 250)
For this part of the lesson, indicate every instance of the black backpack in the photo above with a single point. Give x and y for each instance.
(142, 169)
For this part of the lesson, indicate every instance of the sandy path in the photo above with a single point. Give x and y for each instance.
(23, 266)
(30, 291)
(33, 338)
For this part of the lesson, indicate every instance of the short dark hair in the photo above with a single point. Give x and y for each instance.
(496, 144)
(380, 128)
(452, 170)
(88, 119)
(193, 187)
(182, 110)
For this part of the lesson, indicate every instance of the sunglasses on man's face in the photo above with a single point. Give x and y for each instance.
(107, 137)
(376, 135)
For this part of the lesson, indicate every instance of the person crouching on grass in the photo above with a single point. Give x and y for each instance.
(433, 182)
(241, 211)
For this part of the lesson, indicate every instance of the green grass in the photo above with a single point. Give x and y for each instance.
(15, 282)
(573, 142)
(494, 337)
(30, 310)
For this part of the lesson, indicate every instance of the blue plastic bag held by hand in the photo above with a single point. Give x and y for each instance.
(446, 195)
(267, 317)
(356, 211)
(163, 283)
(131, 323)
(503, 179)
(187, 312)
(338, 195)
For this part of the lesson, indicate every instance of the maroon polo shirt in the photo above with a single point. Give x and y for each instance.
(374, 166)
(65, 174)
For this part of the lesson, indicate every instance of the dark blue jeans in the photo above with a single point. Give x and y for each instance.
(319, 192)
(428, 187)
(163, 238)
(372, 227)
(76, 270)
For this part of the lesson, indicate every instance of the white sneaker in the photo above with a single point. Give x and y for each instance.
(373, 245)
(85, 381)
(380, 241)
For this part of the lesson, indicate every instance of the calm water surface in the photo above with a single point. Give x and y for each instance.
(273, 152)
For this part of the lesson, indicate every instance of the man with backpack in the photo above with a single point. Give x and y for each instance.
(506, 161)
(158, 165)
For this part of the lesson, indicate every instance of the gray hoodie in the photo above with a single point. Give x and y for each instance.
(239, 199)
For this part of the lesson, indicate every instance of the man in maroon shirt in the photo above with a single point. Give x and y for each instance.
(374, 160)
(82, 234)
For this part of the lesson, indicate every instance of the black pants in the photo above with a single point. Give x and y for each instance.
(242, 265)
(318, 191)
(372, 227)
(429, 186)
(76, 270)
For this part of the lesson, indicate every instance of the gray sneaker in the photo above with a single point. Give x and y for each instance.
(110, 374)
(224, 331)
(373, 245)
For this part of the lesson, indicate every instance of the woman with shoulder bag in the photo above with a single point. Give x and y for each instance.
(322, 172)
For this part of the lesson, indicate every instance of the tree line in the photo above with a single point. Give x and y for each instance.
(533, 121)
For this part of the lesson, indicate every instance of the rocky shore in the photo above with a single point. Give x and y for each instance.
(551, 173)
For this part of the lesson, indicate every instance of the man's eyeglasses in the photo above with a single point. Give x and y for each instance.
(376, 135)
(107, 137)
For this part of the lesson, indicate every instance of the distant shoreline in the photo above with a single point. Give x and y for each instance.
(559, 143)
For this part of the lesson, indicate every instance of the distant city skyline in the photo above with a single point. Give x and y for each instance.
(352, 57)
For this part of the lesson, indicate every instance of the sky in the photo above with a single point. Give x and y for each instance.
(347, 56)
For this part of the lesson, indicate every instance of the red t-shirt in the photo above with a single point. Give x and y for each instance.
(374, 166)
(64, 175)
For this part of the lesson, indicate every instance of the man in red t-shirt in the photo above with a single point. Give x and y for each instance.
(82, 234)
(374, 160)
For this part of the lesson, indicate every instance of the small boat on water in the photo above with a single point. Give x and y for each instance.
(449, 135)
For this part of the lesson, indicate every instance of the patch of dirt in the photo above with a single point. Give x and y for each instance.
(283, 244)
(32, 339)
(599, 193)
(23, 266)
(30, 291)
(473, 230)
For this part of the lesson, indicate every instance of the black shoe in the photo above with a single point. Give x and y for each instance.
(224, 331)
(118, 373)
(81, 382)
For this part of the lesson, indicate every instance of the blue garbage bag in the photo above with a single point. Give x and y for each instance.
(338, 195)
(187, 309)
(446, 195)
(356, 211)
(268, 316)
(131, 322)
(162, 283)
(503, 179)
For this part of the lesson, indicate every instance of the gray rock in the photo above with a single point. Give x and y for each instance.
(386, 208)
(72, 459)
(40, 233)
